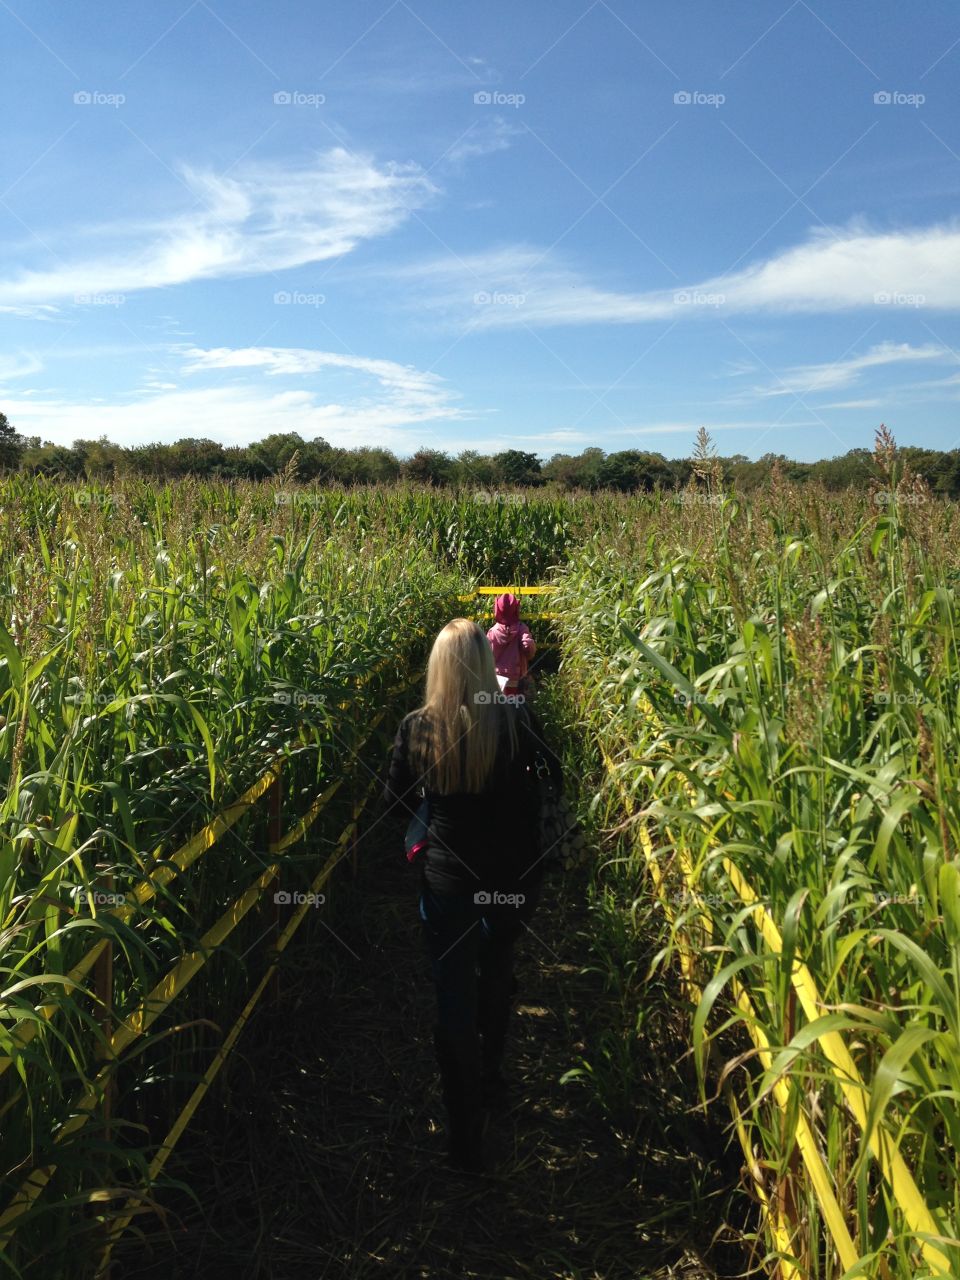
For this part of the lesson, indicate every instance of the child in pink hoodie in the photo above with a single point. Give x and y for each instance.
(512, 643)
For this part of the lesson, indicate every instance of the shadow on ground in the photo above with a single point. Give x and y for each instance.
(319, 1152)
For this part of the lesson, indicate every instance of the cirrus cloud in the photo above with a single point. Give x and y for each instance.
(833, 270)
(265, 218)
(359, 400)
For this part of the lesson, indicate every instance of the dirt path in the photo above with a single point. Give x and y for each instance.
(319, 1153)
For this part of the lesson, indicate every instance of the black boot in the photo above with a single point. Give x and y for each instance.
(493, 1015)
(460, 1080)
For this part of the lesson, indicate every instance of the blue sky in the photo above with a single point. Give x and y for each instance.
(546, 227)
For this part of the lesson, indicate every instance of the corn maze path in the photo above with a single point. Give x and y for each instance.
(319, 1153)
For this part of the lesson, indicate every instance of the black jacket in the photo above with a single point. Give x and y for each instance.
(485, 841)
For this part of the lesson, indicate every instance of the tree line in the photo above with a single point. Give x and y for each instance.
(626, 471)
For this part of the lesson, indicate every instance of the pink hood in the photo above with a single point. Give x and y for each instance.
(506, 611)
(510, 639)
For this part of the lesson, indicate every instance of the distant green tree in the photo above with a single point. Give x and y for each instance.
(150, 459)
(734, 466)
(935, 467)
(31, 452)
(948, 480)
(378, 466)
(50, 460)
(101, 459)
(362, 466)
(236, 462)
(631, 469)
(681, 469)
(627, 470)
(315, 460)
(739, 473)
(472, 469)
(855, 467)
(516, 467)
(11, 445)
(275, 452)
(195, 457)
(428, 466)
(797, 472)
(580, 471)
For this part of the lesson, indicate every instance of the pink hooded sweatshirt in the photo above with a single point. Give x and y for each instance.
(511, 640)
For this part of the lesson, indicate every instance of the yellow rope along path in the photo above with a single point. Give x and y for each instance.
(180, 1124)
(781, 1232)
(187, 968)
(182, 859)
(178, 862)
(892, 1165)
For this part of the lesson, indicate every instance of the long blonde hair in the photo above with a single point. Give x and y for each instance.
(463, 714)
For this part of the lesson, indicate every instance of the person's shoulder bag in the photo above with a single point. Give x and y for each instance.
(562, 841)
(416, 841)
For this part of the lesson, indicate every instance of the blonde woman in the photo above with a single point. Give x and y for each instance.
(472, 753)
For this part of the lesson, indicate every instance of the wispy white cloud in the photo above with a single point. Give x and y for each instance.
(379, 401)
(405, 71)
(879, 403)
(21, 365)
(810, 378)
(483, 139)
(416, 395)
(24, 311)
(686, 428)
(852, 267)
(834, 270)
(737, 368)
(952, 381)
(264, 218)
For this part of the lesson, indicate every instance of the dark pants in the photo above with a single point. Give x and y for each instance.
(471, 953)
(470, 945)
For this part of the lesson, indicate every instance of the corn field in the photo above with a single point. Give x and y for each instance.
(159, 647)
(773, 685)
(776, 687)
